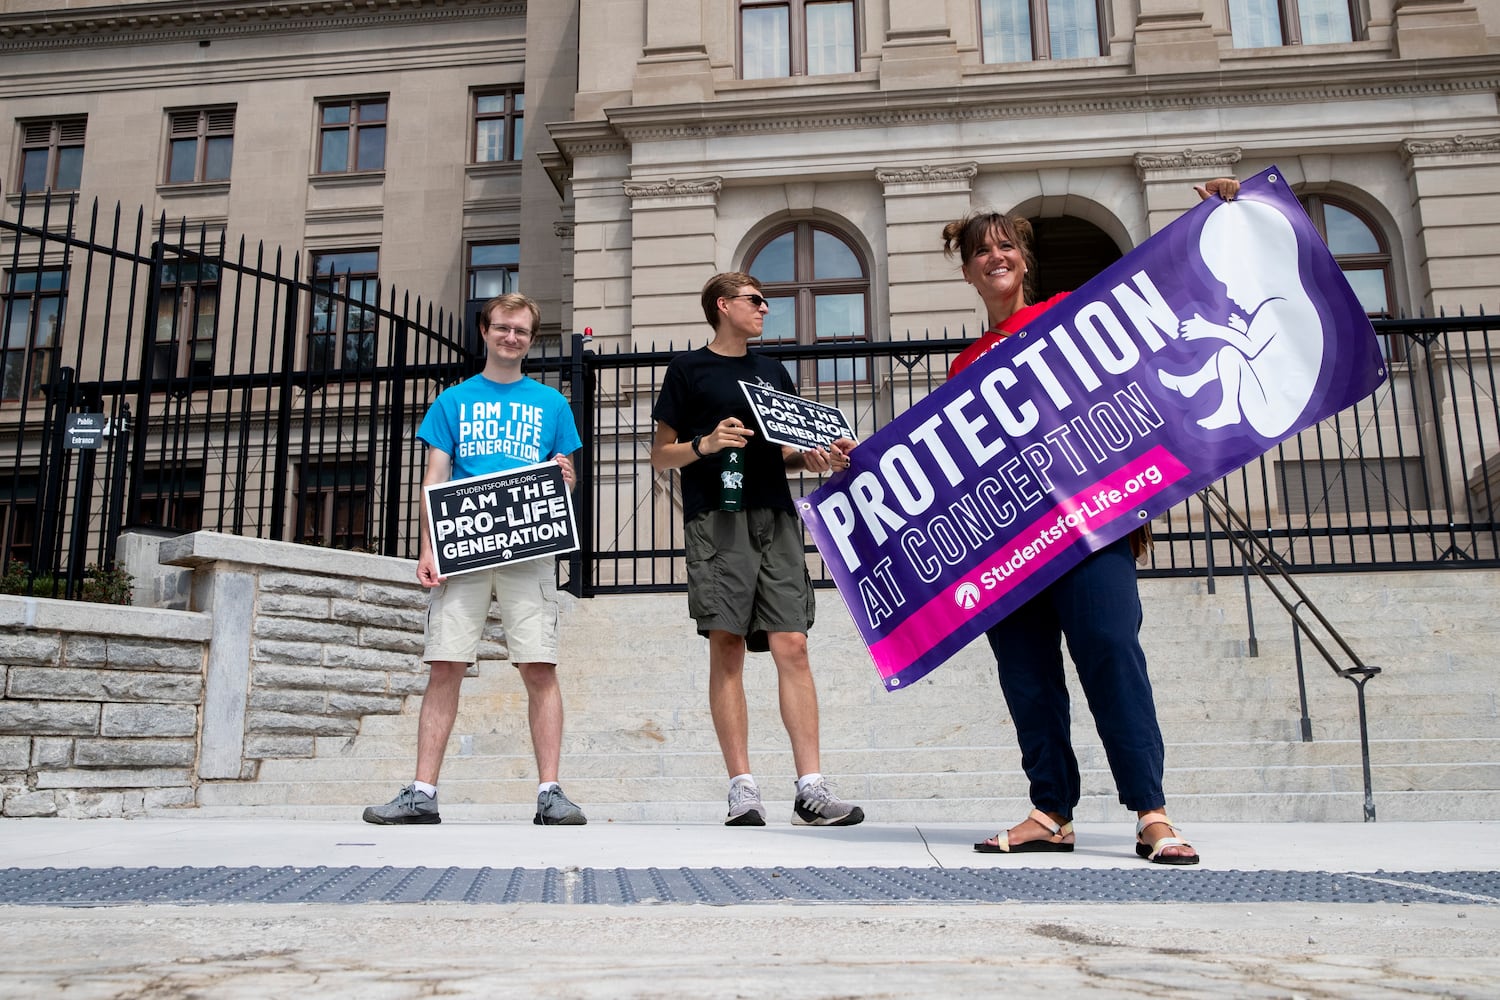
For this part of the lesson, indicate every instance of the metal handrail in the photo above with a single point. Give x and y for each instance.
(1256, 556)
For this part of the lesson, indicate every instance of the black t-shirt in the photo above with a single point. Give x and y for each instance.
(700, 389)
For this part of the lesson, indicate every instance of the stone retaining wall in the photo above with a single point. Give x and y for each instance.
(111, 711)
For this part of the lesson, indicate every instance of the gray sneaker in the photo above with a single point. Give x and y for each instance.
(409, 806)
(816, 805)
(745, 808)
(553, 808)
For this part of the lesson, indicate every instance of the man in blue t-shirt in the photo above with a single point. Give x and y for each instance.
(495, 421)
(747, 579)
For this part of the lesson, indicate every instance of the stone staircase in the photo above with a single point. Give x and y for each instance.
(640, 746)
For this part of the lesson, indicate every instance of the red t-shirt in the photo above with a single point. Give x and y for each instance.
(1014, 323)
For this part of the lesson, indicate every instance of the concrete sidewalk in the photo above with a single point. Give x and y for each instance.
(208, 843)
(1283, 917)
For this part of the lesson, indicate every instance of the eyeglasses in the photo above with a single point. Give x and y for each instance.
(501, 328)
(755, 300)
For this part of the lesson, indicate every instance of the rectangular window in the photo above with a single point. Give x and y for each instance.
(29, 331)
(1267, 23)
(334, 503)
(797, 38)
(52, 154)
(342, 330)
(1321, 488)
(494, 269)
(200, 145)
(18, 508)
(351, 135)
(1023, 30)
(187, 315)
(498, 122)
(170, 498)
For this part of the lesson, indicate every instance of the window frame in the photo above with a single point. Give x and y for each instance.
(512, 119)
(797, 40)
(204, 126)
(353, 126)
(1040, 28)
(20, 509)
(37, 361)
(1290, 14)
(804, 289)
(170, 361)
(1315, 205)
(334, 288)
(325, 490)
(174, 497)
(62, 133)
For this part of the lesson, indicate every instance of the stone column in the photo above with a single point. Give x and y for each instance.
(1453, 182)
(927, 294)
(919, 50)
(1167, 179)
(673, 244)
(601, 233)
(1435, 29)
(673, 68)
(1171, 36)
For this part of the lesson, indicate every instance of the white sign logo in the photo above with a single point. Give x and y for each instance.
(966, 596)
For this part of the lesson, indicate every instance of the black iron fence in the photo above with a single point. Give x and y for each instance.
(1408, 478)
(154, 377)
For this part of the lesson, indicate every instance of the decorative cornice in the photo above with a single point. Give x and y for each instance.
(1460, 143)
(1196, 159)
(928, 175)
(176, 20)
(1115, 95)
(673, 188)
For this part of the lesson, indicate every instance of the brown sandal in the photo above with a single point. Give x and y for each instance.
(1153, 852)
(1060, 841)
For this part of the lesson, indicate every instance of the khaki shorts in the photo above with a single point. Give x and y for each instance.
(747, 575)
(526, 593)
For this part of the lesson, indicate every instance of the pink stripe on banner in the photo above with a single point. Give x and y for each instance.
(1077, 517)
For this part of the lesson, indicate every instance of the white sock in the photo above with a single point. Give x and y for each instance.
(542, 788)
(428, 790)
(808, 779)
(744, 779)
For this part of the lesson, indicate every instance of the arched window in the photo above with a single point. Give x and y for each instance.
(1360, 249)
(819, 290)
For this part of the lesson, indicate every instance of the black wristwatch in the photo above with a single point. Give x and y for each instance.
(695, 441)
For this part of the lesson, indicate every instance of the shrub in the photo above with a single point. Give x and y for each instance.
(99, 585)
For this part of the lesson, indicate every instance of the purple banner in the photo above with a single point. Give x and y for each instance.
(1228, 331)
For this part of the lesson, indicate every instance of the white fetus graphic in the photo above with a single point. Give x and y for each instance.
(1269, 363)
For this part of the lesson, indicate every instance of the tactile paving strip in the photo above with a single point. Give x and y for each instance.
(731, 886)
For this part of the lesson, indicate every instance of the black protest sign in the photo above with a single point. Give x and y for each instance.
(501, 518)
(793, 421)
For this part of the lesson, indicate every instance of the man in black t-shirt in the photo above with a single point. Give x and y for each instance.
(748, 585)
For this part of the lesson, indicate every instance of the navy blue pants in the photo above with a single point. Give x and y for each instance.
(1096, 607)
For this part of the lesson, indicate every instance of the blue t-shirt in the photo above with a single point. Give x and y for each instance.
(490, 426)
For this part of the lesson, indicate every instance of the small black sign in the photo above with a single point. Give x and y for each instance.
(793, 421)
(505, 517)
(84, 430)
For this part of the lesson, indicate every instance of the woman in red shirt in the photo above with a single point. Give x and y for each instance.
(1095, 607)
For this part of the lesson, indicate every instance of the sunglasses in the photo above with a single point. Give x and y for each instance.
(755, 300)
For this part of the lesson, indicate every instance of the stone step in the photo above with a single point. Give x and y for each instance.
(481, 780)
(640, 744)
(988, 813)
(514, 760)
